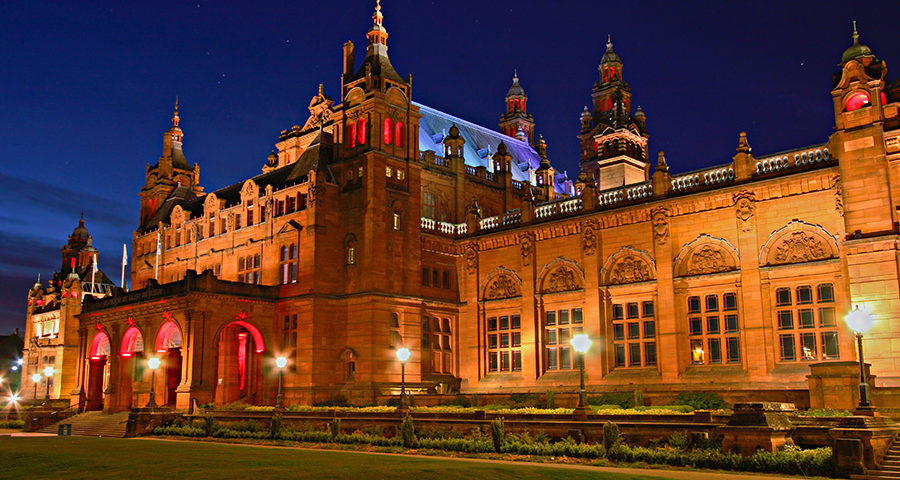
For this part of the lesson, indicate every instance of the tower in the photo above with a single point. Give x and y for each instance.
(171, 171)
(613, 140)
(516, 121)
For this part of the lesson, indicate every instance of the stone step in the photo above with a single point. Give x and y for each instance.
(877, 475)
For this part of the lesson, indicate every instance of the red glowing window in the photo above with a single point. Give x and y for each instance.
(169, 336)
(856, 101)
(388, 131)
(609, 103)
(398, 134)
(99, 346)
(73, 263)
(883, 99)
(361, 131)
(132, 342)
(351, 134)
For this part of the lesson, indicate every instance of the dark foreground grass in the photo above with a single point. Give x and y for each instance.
(96, 458)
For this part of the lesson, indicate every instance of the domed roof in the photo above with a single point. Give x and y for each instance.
(515, 89)
(610, 55)
(857, 50)
(80, 232)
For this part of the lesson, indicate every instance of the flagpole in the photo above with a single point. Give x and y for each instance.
(124, 261)
(93, 272)
(158, 248)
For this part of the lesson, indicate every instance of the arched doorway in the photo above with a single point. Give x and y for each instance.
(168, 346)
(240, 348)
(98, 371)
(134, 363)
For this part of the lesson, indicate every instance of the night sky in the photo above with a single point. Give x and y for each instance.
(87, 91)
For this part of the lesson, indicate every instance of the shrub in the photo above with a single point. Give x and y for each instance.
(638, 398)
(621, 400)
(184, 431)
(275, 426)
(209, 425)
(13, 424)
(338, 400)
(679, 440)
(408, 432)
(458, 401)
(335, 428)
(497, 434)
(244, 426)
(611, 435)
(701, 400)
(474, 400)
(824, 412)
(551, 401)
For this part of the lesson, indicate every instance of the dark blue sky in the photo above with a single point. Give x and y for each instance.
(87, 90)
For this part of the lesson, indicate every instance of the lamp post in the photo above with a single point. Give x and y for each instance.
(280, 362)
(153, 363)
(36, 378)
(48, 372)
(860, 321)
(403, 356)
(581, 343)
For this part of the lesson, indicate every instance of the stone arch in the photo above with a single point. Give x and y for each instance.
(561, 275)
(354, 96)
(168, 336)
(706, 254)
(798, 242)
(501, 283)
(211, 204)
(132, 342)
(259, 342)
(396, 96)
(101, 345)
(628, 265)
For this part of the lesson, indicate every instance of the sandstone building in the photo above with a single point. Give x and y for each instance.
(382, 222)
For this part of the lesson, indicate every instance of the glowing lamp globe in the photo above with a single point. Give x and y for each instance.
(14, 368)
(14, 399)
(20, 361)
(860, 321)
(153, 363)
(281, 362)
(36, 378)
(403, 354)
(49, 371)
(581, 343)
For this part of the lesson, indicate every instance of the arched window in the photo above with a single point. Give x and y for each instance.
(856, 101)
(388, 131)
(99, 346)
(398, 134)
(351, 134)
(132, 342)
(361, 131)
(169, 336)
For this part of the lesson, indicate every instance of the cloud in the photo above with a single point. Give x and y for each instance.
(37, 196)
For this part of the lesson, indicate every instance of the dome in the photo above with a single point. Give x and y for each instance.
(610, 55)
(515, 89)
(857, 50)
(80, 232)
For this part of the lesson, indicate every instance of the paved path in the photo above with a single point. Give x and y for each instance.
(651, 472)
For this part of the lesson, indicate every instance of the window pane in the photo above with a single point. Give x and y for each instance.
(693, 304)
(517, 361)
(492, 324)
(436, 324)
(804, 295)
(634, 354)
(648, 309)
(634, 330)
(632, 310)
(563, 317)
(620, 355)
(425, 277)
(504, 323)
(426, 340)
(731, 323)
(551, 318)
(504, 340)
(808, 349)
(619, 331)
(697, 351)
(650, 353)
(492, 362)
(436, 342)
(783, 296)
(395, 320)
(516, 339)
(787, 347)
(734, 349)
(617, 312)
(712, 303)
(826, 292)
(826, 317)
(551, 337)
(785, 319)
(649, 329)
(715, 350)
(806, 319)
(830, 345)
(576, 315)
(551, 358)
(563, 336)
(696, 326)
(492, 341)
(504, 361)
(730, 301)
(564, 360)
(712, 325)
(515, 322)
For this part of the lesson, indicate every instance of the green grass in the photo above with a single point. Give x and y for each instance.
(97, 458)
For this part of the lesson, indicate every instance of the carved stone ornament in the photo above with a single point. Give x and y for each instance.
(708, 259)
(526, 242)
(629, 269)
(315, 193)
(562, 279)
(589, 237)
(502, 286)
(837, 186)
(744, 208)
(471, 255)
(660, 218)
(800, 246)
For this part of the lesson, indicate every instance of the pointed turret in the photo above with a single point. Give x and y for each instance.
(516, 118)
(376, 67)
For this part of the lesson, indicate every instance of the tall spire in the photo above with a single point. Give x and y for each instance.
(175, 118)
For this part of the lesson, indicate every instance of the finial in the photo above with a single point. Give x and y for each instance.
(515, 75)
(855, 33)
(743, 144)
(321, 90)
(378, 16)
(661, 165)
(608, 41)
(175, 115)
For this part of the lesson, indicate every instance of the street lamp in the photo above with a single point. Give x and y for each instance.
(280, 362)
(153, 363)
(48, 372)
(860, 321)
(403, 356)
(36, 378)
(581, 343)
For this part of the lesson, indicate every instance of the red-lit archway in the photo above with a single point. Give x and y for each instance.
(98, 370)
(132, 343)
(168, 347)
(132, 366)
(240, 348)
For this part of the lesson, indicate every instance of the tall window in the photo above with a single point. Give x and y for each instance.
(398, 134)
(289, 339)
(634, 334)
(428, 205)
(388, 131)
(361, 131)
(249, 269)
(441, 345)
(396, 338)
(714, 329)
(559, 326)
(504, 343)
(249, 212)
(805, 320)
(289, 264)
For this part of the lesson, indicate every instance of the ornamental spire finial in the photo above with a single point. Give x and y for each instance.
(175, 118)
(855, 33)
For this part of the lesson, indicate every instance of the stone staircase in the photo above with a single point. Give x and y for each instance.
(888, 469)
(93, 424)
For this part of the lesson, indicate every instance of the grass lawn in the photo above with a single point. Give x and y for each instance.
(94, 458)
